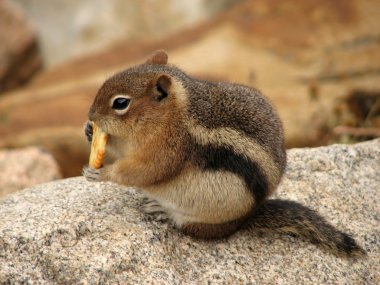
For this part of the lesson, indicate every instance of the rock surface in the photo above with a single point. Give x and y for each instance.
(26, 167)
(75, 232)
(19, 54)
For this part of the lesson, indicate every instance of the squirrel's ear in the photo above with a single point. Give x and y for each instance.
(158, 57)
(162, 84)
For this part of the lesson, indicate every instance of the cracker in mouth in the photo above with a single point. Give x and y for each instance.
(98, 147)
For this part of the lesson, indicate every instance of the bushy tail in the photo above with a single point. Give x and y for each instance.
(293, 218)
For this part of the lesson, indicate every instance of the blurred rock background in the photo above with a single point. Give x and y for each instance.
(317, 60)
(74, 28)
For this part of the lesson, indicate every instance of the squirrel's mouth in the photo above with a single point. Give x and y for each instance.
(101, 124)
(111, 127)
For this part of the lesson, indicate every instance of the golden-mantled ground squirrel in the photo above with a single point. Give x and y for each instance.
(206, 154)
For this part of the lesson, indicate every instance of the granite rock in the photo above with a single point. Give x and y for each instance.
(20, 168)
(76, 232)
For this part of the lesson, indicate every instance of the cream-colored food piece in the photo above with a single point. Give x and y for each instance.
(98, 147)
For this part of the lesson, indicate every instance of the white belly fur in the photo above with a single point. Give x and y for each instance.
(203, 197)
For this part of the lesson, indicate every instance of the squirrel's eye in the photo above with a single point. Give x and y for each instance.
(120, 103)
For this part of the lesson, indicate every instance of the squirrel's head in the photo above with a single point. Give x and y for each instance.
(138, 98)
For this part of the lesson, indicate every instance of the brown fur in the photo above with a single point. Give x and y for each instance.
(159, 57)
(213, 231)
(208, 154)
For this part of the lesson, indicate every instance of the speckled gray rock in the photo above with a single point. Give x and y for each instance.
(75, 232)
(20, 168)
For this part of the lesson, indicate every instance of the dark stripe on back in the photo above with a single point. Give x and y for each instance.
(241, 108)
(224, 158)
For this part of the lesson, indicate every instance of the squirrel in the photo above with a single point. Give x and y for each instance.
(206, 154)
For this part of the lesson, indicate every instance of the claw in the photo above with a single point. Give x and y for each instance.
(154, 210)
(88, 130)
(152, 206)
(91, 174)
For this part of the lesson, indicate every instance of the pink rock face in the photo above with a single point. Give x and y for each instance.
(23, 168)
(19, 55)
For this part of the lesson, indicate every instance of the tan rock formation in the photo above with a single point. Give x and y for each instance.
(25, 167)
(19, 54)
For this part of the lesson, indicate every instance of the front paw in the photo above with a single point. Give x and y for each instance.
(88, 130)
(91, 174)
